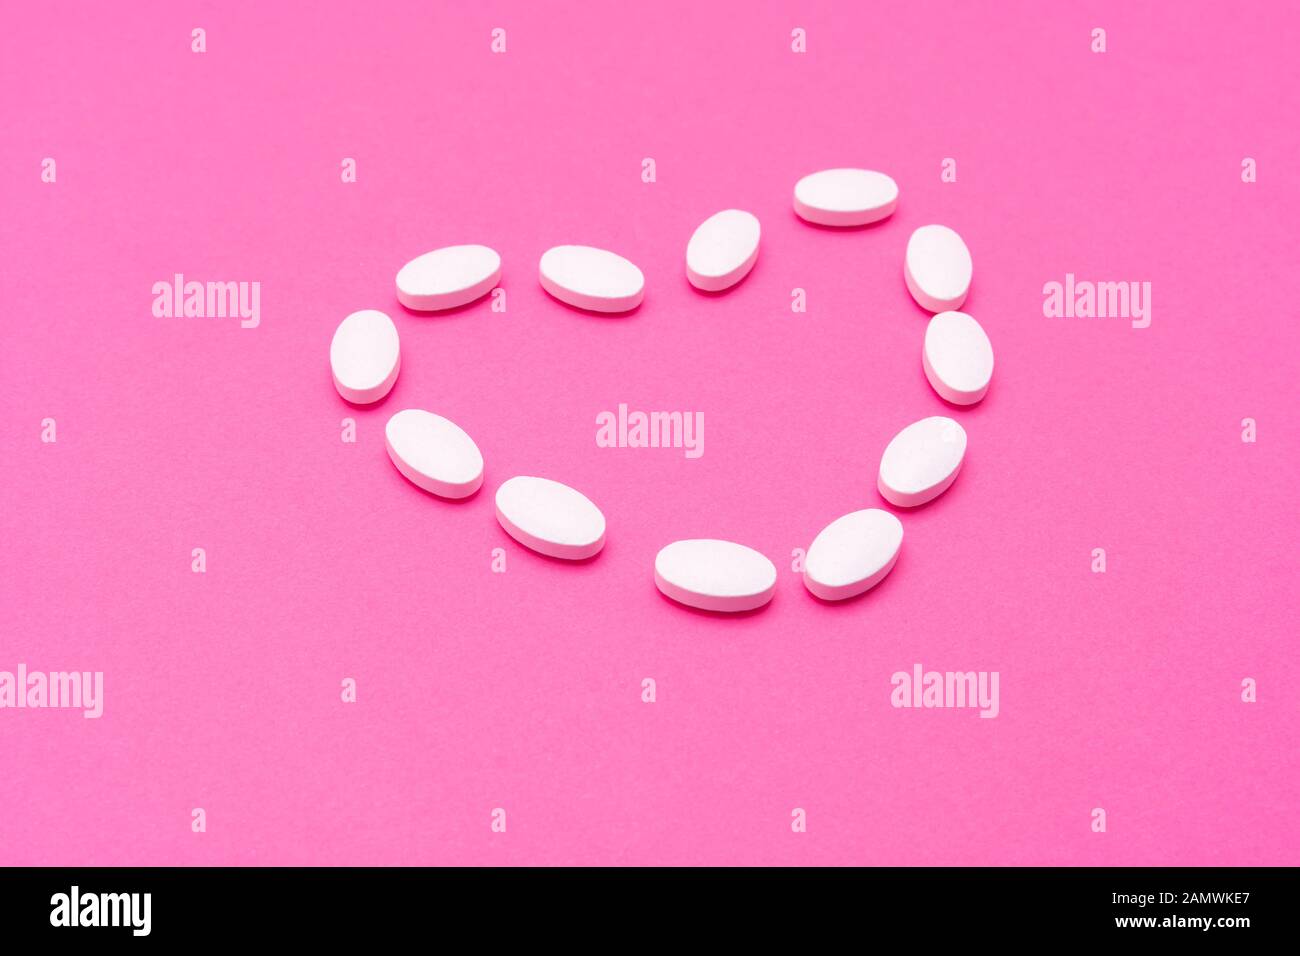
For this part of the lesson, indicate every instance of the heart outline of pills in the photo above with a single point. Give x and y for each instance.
(851, 555)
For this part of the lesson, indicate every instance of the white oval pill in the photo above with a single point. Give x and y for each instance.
(722, 250)
(448, 277)
(550, 518)
(921, 461)
(937, 268)
(590, 278)
(715, 575)
(852, 554)
(957, 358)
(434, 453)
(845, 197)
(365, 356)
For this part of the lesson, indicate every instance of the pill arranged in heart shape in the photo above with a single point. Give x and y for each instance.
(590, 278)
(957, 357)
(365, 356)
(845, 197)
(715, 575)
(433, 453)
(448, 277)
(921, 461)
(550, 517)
(722, 250)
(937, 268)
(852, 554)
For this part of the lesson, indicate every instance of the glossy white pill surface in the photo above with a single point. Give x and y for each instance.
(365, 356)
(448, 277)
(845, 197)
(852, 554)
(937, 268)
(722, 250)
(434, 453)
(957, 358)
(591, 278)
(715, 575)
(550, 518)
(921, 461)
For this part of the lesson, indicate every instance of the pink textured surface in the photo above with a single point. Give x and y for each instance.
(522, 690)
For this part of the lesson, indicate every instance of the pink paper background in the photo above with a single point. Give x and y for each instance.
(522, 690)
